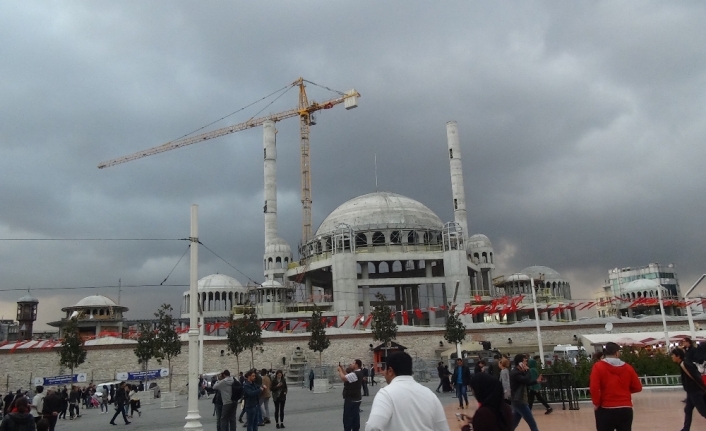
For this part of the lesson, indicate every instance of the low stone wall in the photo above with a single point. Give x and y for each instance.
(102, 362)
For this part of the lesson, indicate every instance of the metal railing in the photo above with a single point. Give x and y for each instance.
(584, 394)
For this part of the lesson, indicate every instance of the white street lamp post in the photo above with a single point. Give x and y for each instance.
(692, 327)
(536, 320)
(193, 417)
(664, 319)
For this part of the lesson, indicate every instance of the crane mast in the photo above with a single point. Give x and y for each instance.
(305, 111)
(304, 122)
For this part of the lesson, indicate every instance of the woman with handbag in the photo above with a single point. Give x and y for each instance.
(279, 395)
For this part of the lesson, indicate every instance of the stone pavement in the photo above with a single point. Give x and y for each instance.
(657, 410)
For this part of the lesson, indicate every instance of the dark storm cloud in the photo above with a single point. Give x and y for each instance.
(581, 126)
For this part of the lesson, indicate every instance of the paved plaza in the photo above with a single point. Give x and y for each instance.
(654, 410)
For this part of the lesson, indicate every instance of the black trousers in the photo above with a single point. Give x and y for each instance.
(536, 394)
(279, 410)
(365, 387)
(120, 409)
(52, 421)
(693, 400)
(72, 407)
(351, 415)
(613, 419)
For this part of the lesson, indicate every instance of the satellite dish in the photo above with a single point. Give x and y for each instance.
(609, 326)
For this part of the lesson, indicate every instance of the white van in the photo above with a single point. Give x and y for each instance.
(568, 352)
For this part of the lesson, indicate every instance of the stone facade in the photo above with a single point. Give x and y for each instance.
(17, 369)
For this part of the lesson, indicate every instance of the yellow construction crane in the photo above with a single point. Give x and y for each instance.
(305, 111)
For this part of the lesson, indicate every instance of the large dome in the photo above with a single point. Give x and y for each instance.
(381, 210)
(220, 282)
(641, 285)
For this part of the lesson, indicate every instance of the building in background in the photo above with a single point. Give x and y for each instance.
(634, 291)
(26, 316)
(552, 292)
(9, 330)
(97, 315)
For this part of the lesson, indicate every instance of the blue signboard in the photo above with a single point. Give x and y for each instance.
(60, 380)
(142, 375)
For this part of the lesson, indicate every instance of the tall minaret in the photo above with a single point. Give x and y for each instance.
(268, 140)
(459, 195)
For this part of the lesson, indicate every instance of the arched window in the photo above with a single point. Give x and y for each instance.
(491, 257)
(412, 237)
(286, 261)
(396, 266)
(361, 240)
(485, 257)
(383, 267)
(269, 263)
(378, 238)
(278, 262)
(395, 237)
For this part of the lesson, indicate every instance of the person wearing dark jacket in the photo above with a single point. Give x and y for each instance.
(230, 394)
(74, 402)
(493, 414)
(53, 405)
(64, 395)
(461, 379)
(22, 419)
(279, 395)
(520, 379)
(534, 389)
(494, 367)
(251, 395)
(692, 384)
(442, 375)
(120, 402)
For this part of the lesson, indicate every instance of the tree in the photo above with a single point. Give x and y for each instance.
(251, 332)
(146, 346)
(72, 352)
(455, 329)
(318, 341)
(384, 325)
(235, 338)
(167, 341)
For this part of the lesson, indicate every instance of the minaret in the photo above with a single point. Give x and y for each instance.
(268, 138)
(26, 315)
(459, 194)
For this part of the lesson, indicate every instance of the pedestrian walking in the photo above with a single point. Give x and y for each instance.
(134, 402)
(461, 379)
(311, 379)
(612, 384)
(372, 375)
(504, 364)
(105, 399)
(265, 397)
(442, 375)
(251, 393)
(693, 386)
(38, 403)
(120, 400)
(494, 368)
(352, 383)
(52, 407)
(217, 406)
(279, 397)
(366, 375)
(519, 381)
(404, 404)
(534, 389)
(74, 400)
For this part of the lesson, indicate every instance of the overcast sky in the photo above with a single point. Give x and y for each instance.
(581, 124)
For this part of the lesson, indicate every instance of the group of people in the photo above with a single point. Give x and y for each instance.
(254, 389)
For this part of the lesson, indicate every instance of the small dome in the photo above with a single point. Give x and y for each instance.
(220, 282)
(96, 301)
(479, 240)
(641, 285)
(381, 210)
(534, 271)
(28, 298)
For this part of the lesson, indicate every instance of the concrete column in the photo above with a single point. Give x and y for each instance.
(364, 275)
(430, 293)
(457, 187)
(309, 292)
(268, 140)
(345, 287)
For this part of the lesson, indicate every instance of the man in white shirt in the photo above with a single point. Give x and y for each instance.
(38, 404)
(405, 405)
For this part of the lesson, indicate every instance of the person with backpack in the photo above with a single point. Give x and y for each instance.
(22, 420)
(230, 390)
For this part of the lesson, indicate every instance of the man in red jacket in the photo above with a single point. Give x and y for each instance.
(612, 384)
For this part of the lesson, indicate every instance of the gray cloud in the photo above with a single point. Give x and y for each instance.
(580, 123)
